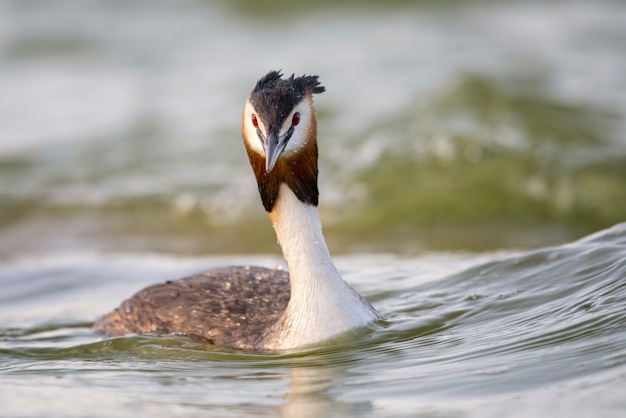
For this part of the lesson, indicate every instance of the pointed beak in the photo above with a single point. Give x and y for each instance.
(274, 147)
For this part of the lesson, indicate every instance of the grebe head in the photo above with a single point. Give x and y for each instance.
(278, 117)
(279, 129)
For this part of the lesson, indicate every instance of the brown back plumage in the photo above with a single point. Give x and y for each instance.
(227, 307)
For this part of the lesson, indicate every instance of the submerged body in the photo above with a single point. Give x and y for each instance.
(253, 307)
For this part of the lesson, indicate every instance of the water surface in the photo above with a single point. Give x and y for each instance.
(501, 334)
(465, 148)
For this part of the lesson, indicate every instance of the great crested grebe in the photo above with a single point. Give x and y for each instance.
(254, 307)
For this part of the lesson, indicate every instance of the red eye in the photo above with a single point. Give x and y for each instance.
(255, 122)
(295, 119)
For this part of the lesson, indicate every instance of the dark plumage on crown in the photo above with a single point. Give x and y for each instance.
(274, 97)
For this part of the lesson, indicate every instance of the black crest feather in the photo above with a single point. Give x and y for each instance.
(273, 97)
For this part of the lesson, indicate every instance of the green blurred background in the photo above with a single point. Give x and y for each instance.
(456, 125)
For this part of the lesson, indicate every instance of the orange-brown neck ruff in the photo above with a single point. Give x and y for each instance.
(298, 171)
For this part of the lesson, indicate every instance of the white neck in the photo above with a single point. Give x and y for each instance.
(322, 304)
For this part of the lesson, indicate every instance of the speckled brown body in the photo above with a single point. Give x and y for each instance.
(227, 307)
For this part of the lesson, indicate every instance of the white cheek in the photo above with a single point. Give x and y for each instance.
(297, 141)
(253, 141)
(301, 131)
(251, 137)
